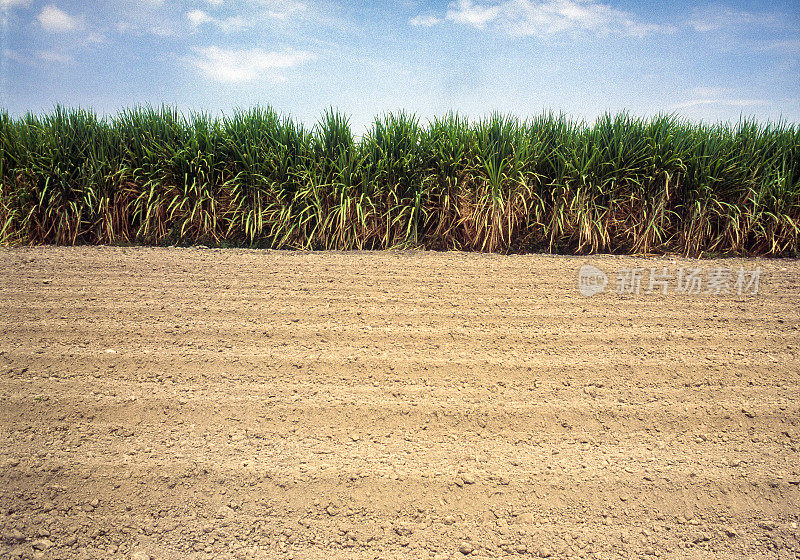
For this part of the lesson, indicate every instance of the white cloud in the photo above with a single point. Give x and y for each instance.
(721, 102)
(125, 27)
(235, 23)
(230, 65)
(55, 57)
(12, 55)
(638, 29)
(53, 19)
(548, 17)
(283, 10)
(785, 46)
(198, 17)
(714, 19)
(12, 3)
(96, 39)
(162, 31)
(466, 12)
(424, 21)
(710, 91)
(138, 30)
(281, 5)
(718, 96)
(264, 11)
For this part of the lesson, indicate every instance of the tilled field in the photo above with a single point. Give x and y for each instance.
(203, 403)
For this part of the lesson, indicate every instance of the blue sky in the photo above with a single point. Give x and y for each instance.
(704, 61)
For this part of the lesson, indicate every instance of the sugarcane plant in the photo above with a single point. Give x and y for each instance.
(621, 184)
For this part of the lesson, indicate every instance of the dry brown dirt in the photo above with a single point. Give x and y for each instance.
(203, 403)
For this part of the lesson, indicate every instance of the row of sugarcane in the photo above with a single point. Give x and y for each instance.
(622, 184)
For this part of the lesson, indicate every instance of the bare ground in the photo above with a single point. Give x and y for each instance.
(198, 403)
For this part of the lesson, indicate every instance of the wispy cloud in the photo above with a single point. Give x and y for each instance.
(469, 13)
(53, 19)
(718, 96)
(786, 46)
(710, 91)
(231, 65)
(162, 29)
(721, 102)
(12, 3)
(96, 39)
(721, 18)
(548, 17)
(198, 18)
(424, 21)
(261, 11)
(55, 57)
(281, 9)
(9, 54)
(138, 30)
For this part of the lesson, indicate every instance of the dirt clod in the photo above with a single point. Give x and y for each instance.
(42, 544)
(14, 536)
(466, 549)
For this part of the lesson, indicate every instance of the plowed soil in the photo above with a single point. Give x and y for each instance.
(206, 403)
